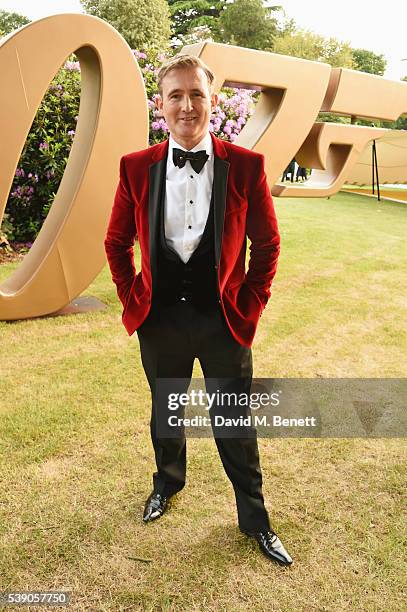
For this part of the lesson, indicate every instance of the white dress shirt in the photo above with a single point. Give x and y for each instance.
(187, 200)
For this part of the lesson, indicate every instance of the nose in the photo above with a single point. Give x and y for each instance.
(187, 104)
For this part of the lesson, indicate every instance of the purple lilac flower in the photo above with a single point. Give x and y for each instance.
(20, 172)
(43, 145)
(159, 124)
(163, 125)
(139, 54)
(227, 130)
(22, 191)
(71, 133)
(72, 66)
(233, 137)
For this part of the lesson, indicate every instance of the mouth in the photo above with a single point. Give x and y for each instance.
(188, 119)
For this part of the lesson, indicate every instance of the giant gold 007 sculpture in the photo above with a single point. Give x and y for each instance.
(113, 120)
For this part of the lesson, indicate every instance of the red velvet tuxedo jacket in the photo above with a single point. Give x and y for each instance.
(243, 208)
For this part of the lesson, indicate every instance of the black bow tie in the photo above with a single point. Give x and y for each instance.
(197, 159)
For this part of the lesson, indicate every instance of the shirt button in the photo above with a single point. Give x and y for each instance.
(191, 176)
(189, 226)
(191, 201)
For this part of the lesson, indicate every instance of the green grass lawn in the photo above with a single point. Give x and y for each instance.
(76, 458)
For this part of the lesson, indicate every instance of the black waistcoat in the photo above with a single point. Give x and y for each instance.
(194, 281)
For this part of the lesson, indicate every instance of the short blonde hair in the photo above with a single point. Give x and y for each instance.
(183, 61)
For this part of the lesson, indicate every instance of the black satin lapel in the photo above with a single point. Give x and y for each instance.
(220, 178)
(156, 185)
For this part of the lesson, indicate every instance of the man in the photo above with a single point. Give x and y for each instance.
(289, 170)
(191, 201)
(301, 174)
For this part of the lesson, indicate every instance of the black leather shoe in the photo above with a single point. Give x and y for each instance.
(155, 507)
(270, 545)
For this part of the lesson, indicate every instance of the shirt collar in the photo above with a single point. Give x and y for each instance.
(205, 143)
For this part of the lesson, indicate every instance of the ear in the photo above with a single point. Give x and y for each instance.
(158, 102)
(214, 100)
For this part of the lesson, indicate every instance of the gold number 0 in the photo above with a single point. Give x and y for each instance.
(113, 119)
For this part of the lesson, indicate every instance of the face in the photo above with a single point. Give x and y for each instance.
(186, 104)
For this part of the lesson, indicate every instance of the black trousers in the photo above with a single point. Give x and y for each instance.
(170, 339)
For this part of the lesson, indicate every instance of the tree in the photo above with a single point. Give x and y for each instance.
(367, 61)
(11, 21)
(189, 17)
(308, 45)
(144, 25)
(248, 23)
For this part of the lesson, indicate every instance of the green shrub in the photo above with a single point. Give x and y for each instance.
(44, 157)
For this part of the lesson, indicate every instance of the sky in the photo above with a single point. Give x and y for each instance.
(377, 26)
